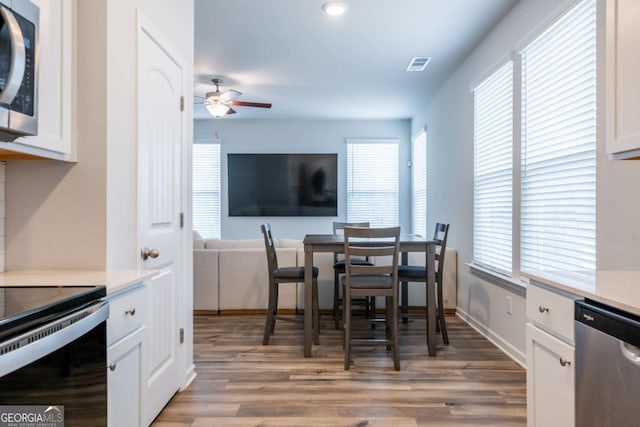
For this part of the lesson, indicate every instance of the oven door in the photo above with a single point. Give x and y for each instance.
(61, 364)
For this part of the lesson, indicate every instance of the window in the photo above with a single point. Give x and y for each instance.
(549, 191)
(372, 182)
(419, 184)
(493, 171)
(559, 145)
(206, 190)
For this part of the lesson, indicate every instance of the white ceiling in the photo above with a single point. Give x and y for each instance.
(311, 65)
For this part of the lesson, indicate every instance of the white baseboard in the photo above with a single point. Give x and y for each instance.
(189, 376)
(519, 357)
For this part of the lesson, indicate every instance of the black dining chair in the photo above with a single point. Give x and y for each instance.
(278, 275)
(339, 269)
(416, 273)
(379, 280)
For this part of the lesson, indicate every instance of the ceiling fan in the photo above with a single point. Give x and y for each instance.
(219, 103)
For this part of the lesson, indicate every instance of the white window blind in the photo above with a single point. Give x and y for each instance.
(493, 171)
(206, 190)
(372, 182)
(559, 146)
(419, 184)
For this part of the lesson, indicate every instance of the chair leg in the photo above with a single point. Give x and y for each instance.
(346, 320)
(270, 323)
(316, 314)
(336, 298)
(394, 333)
(405, 302)
(441, 321)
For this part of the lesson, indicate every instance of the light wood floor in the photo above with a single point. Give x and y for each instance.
(241, 383)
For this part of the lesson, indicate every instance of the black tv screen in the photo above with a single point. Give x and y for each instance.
(283, 184)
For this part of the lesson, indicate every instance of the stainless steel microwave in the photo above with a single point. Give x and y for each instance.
(19, 21)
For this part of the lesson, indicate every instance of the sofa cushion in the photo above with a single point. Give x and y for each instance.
(234, 244)
(289, 243)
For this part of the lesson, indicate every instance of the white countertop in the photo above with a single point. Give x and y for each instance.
(114, 280)
(619, 289)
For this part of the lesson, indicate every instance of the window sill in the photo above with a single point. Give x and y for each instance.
(515, 285)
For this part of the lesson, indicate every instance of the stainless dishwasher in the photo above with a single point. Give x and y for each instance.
(607, 366)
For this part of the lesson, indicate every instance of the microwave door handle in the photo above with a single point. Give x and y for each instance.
(18, 57)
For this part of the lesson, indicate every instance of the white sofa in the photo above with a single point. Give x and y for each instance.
(230, 275)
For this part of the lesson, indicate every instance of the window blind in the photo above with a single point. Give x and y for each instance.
(559, 146)
(493, 171)
(372, 182)
(206, 190)
(419, 184)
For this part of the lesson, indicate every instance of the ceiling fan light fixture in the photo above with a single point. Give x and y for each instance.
(334, 8)
(217, 109)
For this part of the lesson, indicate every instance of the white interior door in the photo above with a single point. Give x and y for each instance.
(159, 146)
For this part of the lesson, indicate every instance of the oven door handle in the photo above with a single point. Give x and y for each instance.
(18, 57)
(30, 346)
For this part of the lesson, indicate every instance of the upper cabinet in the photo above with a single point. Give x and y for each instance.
(622, 82)
(55, 92)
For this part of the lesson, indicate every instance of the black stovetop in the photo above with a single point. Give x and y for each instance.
(24, 307)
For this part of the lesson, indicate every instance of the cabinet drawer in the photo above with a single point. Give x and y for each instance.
(127, 313)
(551, 311)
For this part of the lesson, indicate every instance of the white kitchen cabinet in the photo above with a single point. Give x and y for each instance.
(550, 380)
(126, 338)
(55, 91)
(124, 384)
(550, 357)
(622, 83)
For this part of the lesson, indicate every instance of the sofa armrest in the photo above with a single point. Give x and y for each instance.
(205, 279)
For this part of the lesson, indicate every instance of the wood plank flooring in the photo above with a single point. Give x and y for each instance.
(242, 383)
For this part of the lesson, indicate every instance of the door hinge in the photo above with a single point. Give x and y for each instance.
(181, 219)
(182, 103)
(181, 335)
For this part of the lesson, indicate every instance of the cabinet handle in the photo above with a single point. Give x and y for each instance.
(564, 362)
(112, 366)
(543, 309)
(131, 311)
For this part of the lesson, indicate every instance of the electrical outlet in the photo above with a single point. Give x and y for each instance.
(509, 305)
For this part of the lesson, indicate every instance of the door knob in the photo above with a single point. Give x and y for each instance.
(147, 253)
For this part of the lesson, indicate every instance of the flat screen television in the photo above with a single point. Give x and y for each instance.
(283, 184)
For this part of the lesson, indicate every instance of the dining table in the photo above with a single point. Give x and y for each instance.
(314, 243)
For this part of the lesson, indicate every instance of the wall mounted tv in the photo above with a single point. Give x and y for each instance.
(283, 184)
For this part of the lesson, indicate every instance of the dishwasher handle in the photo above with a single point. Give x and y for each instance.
(622, 325)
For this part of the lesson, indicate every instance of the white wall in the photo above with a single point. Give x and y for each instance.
(299, 136)
(449, 118)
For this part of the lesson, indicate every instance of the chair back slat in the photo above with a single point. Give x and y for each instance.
(272, 258)
(372, 242)
(338, 229)
(440, 238)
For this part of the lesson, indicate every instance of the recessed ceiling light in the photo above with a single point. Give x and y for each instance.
(334, 8)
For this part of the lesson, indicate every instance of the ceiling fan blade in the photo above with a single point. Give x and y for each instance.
(231, 111)
(230, 94)
(251, 104)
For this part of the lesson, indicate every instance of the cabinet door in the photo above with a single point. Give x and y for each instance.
(623, 86)
(550, 380)
(124, 383)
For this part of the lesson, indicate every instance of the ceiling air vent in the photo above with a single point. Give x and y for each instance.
(418, 63)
